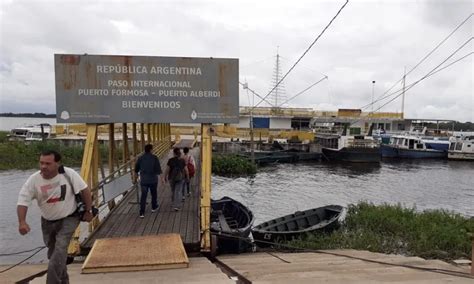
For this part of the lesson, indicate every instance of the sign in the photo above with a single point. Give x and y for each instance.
(143, 89)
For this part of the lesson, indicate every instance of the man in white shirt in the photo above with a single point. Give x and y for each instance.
(56, 201)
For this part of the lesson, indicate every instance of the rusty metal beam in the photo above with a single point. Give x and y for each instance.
(88, 161)
(205, 206)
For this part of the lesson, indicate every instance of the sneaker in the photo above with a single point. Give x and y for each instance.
(183, 199)
(154, 210)
(176, 209)
(142, 216)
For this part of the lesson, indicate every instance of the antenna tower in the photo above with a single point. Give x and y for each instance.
(278, 94)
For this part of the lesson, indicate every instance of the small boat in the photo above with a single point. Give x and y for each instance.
(299, 223)
(461, 148)
(231, 222)
(31, 133)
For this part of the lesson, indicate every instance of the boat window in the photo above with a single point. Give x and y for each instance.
(419, 145)
(458, 146)
(411, 144)
(451, 146)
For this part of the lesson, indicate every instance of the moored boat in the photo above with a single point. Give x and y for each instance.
(231, 222)
(414, 147)
(31, 133)
(290, 226)
(357, 148)
(461, 148)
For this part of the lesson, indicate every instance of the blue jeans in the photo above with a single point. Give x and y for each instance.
(154, 196)
(176, 193)
(186, 186)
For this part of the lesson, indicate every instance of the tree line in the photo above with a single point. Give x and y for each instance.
(35, 114)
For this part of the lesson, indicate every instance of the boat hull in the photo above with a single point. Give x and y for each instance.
(357, 155)
(231, 222)
(288, 227)
(393, 152)
(460, 156)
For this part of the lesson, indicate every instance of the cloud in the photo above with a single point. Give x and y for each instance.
(370, 40)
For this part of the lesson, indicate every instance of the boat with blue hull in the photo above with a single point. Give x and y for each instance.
(414, 147)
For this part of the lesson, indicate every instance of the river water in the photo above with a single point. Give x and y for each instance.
(282, 189)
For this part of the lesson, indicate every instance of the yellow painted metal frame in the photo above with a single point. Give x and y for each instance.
(160, 135)
(89, 172)
(206, 167)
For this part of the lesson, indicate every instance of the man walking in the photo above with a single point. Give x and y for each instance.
(55, 195)
(148, 165)
(176, 172)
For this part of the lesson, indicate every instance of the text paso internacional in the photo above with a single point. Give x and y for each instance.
(144, 89)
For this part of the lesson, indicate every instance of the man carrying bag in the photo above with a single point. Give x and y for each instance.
(55, 194)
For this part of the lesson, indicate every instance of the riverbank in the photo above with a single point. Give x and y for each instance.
(17, 155)
(394, 229)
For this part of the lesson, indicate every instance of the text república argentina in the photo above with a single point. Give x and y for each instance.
(161, 70)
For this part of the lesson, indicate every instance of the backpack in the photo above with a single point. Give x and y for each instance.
(176, 174)
(190, 166)
(191, 170)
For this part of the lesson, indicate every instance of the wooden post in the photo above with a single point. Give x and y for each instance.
(111, 160)
(126, 156)
(94, 183)
(472, 256)
(134, 138)
(148, 133)
(142, 136)
(206, 167)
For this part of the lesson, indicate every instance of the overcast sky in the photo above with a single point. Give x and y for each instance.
(369, 41)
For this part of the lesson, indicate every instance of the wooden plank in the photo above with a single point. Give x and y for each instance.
(124, 219)
(136, 254)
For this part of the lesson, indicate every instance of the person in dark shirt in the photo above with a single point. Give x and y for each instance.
(148, 165)
(176, 172)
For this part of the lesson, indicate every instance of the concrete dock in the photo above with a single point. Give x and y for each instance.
(298, 268)
(332, 266)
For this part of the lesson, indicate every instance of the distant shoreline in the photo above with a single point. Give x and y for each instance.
(36, 114)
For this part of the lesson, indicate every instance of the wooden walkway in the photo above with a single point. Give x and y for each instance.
(123, 220)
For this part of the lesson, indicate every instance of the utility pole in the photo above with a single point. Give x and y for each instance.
(403, 93)
(373, 86)
(252, 153)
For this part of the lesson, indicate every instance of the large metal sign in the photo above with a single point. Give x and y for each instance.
(106, 89)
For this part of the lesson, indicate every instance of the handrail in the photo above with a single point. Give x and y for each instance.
(160, 149)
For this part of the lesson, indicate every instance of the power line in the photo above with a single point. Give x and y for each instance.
(432, 72)
(421, 61)
(20, 252)
(304, 53)
(15, 265)
(245, 86)
(300, 93)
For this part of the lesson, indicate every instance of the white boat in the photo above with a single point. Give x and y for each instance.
(413, 146)
(461, 148)
(36, 132)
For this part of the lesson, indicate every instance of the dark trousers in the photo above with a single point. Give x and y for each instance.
(56, 236)
(186, 187)
(176, 193)
(154, 196)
